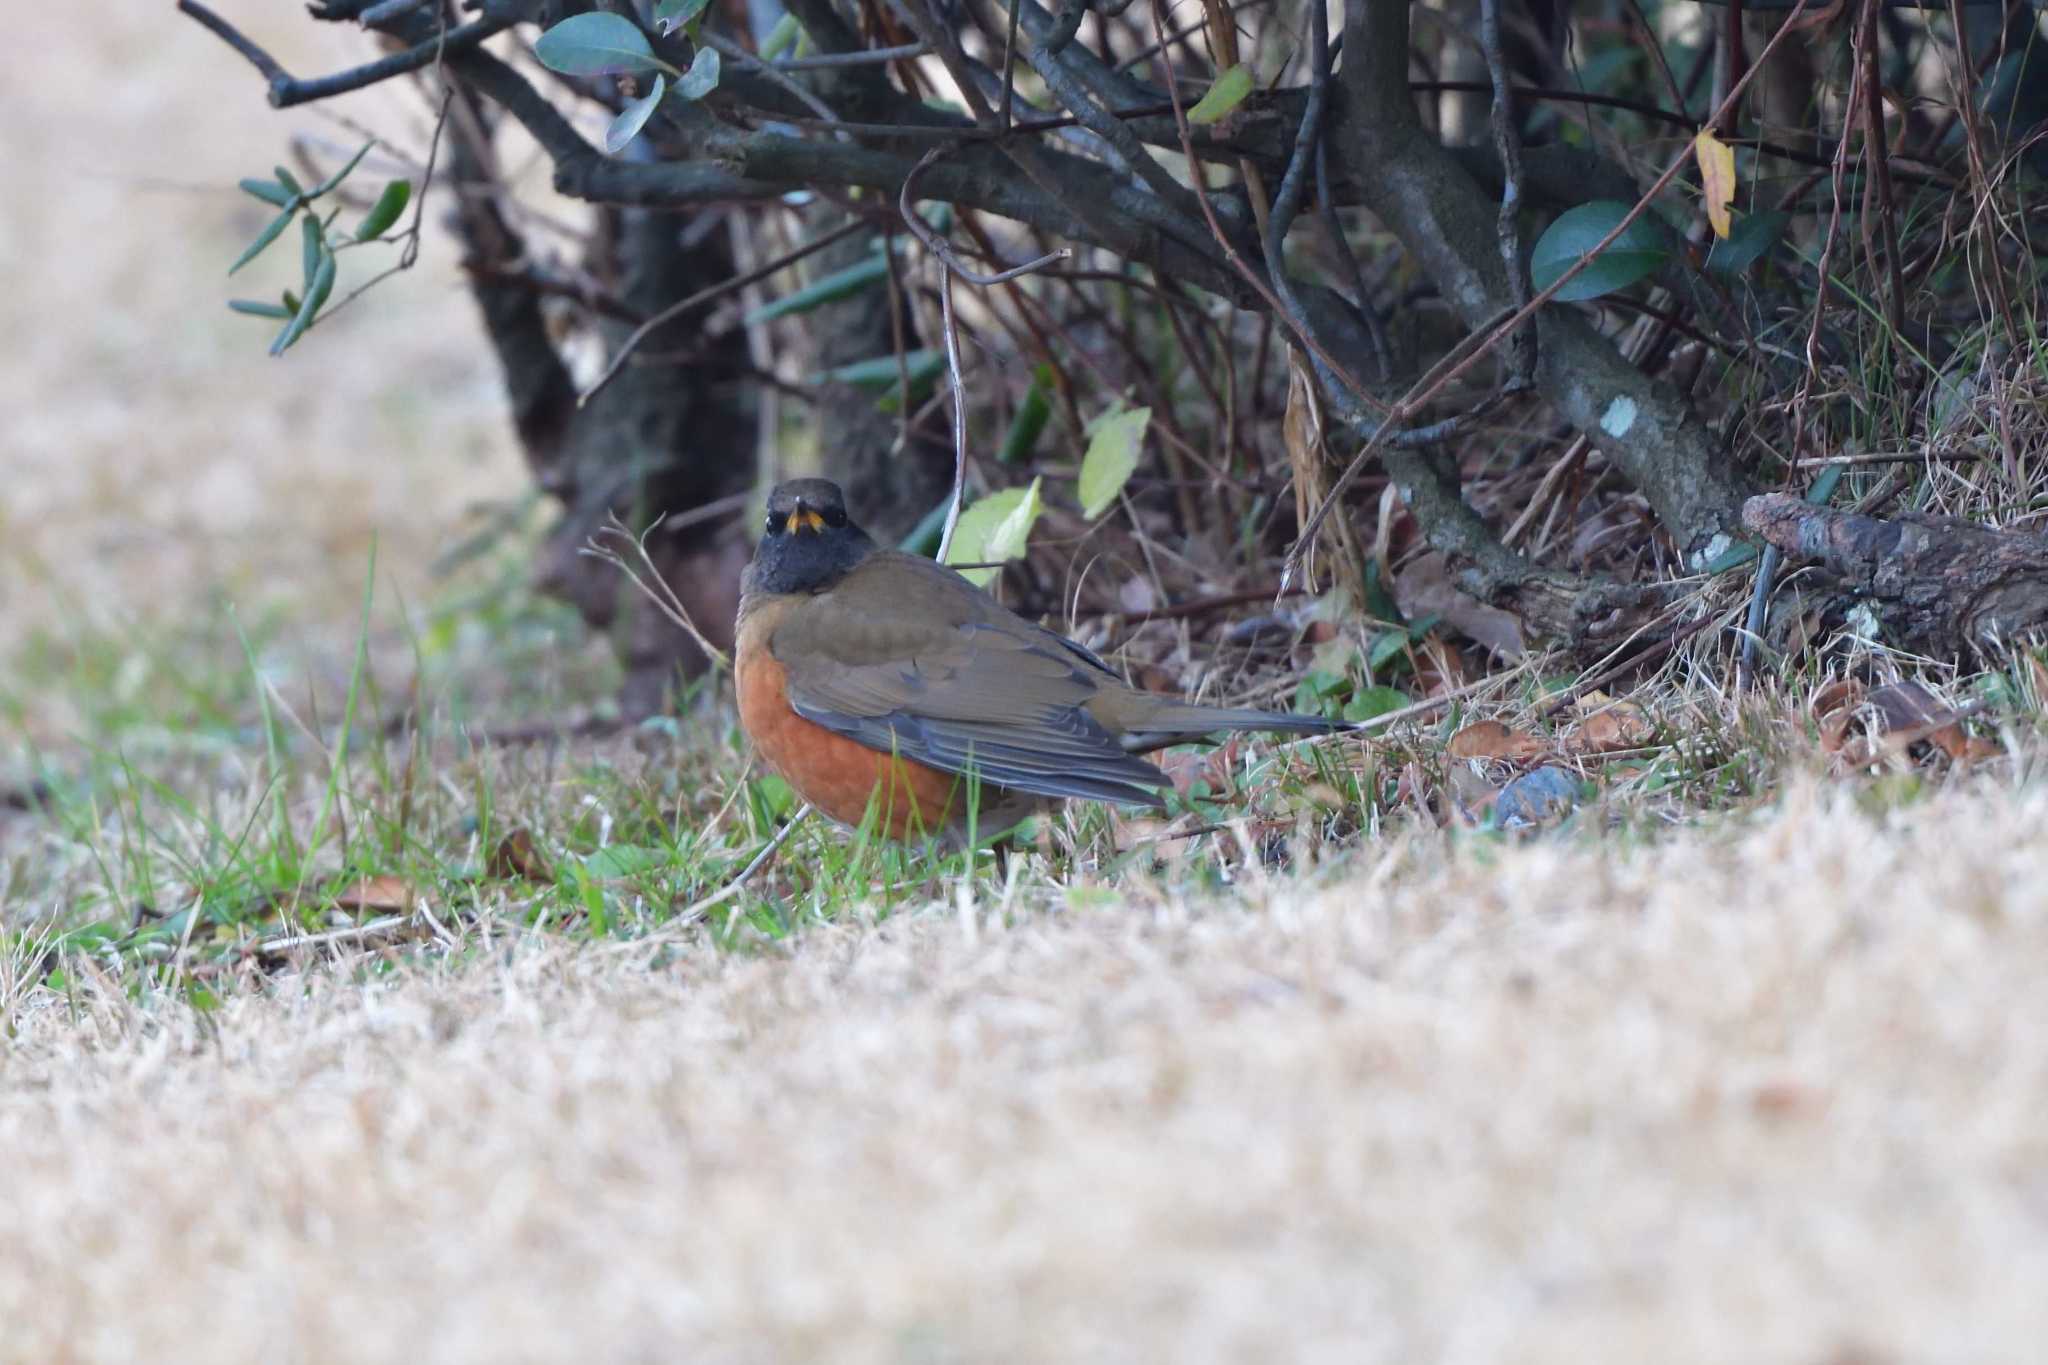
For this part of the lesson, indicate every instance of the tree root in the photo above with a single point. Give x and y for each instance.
(1938, 585)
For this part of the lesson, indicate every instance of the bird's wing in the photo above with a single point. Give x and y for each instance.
(907, 657)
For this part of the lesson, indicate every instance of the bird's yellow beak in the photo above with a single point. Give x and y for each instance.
(804, 519)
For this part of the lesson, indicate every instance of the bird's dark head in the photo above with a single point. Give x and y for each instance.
(807, 544)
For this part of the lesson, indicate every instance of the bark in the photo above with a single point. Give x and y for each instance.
(661, 439)
(1937, 584)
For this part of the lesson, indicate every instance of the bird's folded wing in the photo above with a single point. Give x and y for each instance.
(973, 696)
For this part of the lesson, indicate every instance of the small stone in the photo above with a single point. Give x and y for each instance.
(1536, 796)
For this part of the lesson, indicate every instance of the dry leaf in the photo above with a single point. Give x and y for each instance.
(1903, 705)
(1622, 725)
(1439, 667)
(1717, 178)
(1492, 739)
(1897, 716)
(1424, 588)
(1834, 710)
(517, 857)
(378, 893)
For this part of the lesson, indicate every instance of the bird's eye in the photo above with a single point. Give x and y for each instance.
(774, 526)
(835, 517)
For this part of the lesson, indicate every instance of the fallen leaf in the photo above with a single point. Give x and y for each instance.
(517, 857)
(1894, 718)
(1834, 710)
(1424, 588)
(1622, 725)
(1903, 705)
(1491, 739)
(378, 893)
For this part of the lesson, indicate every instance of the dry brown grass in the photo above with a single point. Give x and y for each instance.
(1774, 1094)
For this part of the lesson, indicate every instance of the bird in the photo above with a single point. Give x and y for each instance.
(872, 679)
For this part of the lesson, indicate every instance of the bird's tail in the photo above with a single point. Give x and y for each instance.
(1178, 724)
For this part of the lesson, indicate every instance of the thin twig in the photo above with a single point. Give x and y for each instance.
(283, 943)
(941, 248)
(1878, 154)
(732, 888)
(266, 65)
(708, 295)
(647, 578)
(1493, 334)
(959, 390)
(1298, 323)
(287, 90)
(949, 266)
(409, 255)
(725, 47)
(872, 56)
(1507, 143)
(1009, 60)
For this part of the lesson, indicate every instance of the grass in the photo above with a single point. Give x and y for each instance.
(348, 1012)
(1769, 1089)
(212, 819)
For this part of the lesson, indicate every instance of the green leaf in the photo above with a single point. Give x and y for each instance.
(263, 239)
(269, 191)
(287, 179)
(595, 44)
(1229, 91)
(1374, 701)
(1734, 557)
(1388, 647)
(1029, 422)
(331, 181)
(924, 537)
(780, 37)
(624, 860)
(1641, 249)
(316, 294)
(924, 364)
(312, 245)
(702, 77)
(633, 117)
(1111, 458)
(840, 284)
(1752, 237)
(671, 15)
(995, 529)
(385, 211)
(1824, 486)
(881, 370)
(256, 308)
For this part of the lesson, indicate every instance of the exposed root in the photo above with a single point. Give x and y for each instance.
(1939, 584)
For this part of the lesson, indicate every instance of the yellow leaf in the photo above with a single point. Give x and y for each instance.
(1717, 177)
